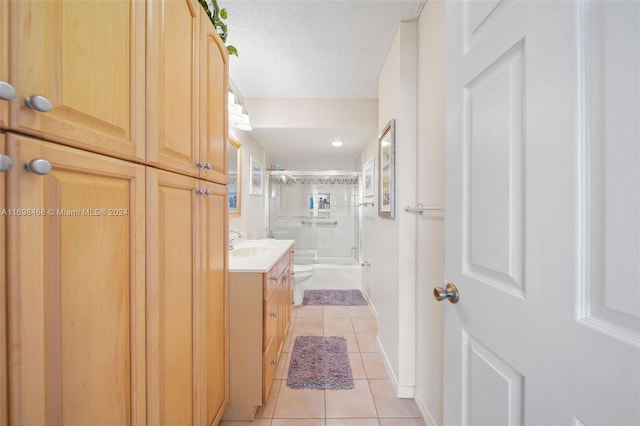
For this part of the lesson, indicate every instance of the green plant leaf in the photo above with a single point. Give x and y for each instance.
(223, 13)
(232, 50)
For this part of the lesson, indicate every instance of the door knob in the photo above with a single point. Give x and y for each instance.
(38, 103)
(449, 292)
(7, 92)
(39, 166)
(208, 166)
(5, 163)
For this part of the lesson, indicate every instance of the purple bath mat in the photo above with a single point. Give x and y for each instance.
(320, 362)
(333, 297)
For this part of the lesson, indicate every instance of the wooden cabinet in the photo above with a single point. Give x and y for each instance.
(88, 60)
(115, 264)
(261, 306)
(4, 65)
(187, 89)
(4, 382)
(76, 287)
(187, 312)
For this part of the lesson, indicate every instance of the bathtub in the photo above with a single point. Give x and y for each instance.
(332, 273)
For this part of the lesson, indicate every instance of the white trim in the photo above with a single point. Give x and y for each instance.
(402, 391)
(424, 410)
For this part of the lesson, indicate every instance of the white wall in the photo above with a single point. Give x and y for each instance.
(430, 227)
(389, 244)
(251, 219)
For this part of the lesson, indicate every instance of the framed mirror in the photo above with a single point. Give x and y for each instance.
(386, 162)
(235, 162)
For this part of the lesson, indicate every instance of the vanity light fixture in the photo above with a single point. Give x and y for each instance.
(238, 115)
(337, 143)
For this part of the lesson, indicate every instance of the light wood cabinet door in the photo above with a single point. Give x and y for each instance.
(213, 121)
(173, 40)
(87, 58)
(4, 61)
(172, 295)
(76, 287)
(214, 297)
(3, 302)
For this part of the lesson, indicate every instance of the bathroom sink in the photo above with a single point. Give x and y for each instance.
(253, 251)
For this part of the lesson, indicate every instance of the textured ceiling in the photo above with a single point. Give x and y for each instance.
(312, 49)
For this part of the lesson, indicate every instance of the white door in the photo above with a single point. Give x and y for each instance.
(542, 224)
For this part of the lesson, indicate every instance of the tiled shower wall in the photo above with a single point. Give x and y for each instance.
(332, 232)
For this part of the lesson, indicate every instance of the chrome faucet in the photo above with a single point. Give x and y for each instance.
(231, 240)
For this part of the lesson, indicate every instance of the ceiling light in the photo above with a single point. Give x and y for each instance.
(337, 143)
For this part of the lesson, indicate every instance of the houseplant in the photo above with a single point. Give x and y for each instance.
(217, 15)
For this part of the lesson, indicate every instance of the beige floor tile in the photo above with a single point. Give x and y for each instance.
(357, 367)
(353, 422)
(387, 404)
(299, 403)
(352, 342)
(266, 411)
(374, 365)
(255, 422)
(367, 342)
(360, 311)
(337, 326)
(402, 422)
(303, 311)
(308, 325)
(336, 312)
(364, 325)
(297, 422)
(356, 402)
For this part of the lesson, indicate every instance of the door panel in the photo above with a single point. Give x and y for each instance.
(213, 103)
(172, 245)
(3, 292)
(87, 59)
(173, 85)
(4, 60)
(214, 299)
(75, 287)
(541, 229)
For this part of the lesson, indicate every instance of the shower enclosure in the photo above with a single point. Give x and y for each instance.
(320, 211)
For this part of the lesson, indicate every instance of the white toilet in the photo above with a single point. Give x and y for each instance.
(302, 271)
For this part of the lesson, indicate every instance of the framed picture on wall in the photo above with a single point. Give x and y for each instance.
(256, 175)
(386, 175)
(369, 178)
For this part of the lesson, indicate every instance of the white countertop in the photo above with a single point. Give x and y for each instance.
(260, 263)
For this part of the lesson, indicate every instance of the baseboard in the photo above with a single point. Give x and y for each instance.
(373, 309)
(400, 390)
(424, 410)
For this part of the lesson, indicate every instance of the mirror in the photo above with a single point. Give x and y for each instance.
(235, 160)
(386, 161)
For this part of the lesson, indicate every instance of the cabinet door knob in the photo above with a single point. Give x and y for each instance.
(208, 166)
(286, 278)
(38, 103)
(208, 192)
(274, 277)
(200, 164)
(5, 163)
(7, 92)
(274, 362)
(39, 166)
(274, 314)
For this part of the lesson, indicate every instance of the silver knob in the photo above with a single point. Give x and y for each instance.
(274, 362)
(38, 103)
(286, 278)
(200, 164)
(274, 314)
(7, 92)
(365, 263)
(39, 166)
(208, 166)
(5, 163)
(274, 277)
(200, 191)
(449, 292)
(208, 192)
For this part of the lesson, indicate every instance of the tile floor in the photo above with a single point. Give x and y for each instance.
(372, 402)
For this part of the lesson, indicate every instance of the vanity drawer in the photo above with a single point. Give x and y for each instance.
(269, 365)
(270, 319)
(270, 280)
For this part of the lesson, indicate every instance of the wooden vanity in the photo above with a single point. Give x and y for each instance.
(261, 304)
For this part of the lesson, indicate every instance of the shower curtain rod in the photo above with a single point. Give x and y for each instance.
(331, 173)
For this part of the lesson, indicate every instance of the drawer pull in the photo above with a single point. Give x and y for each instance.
(274, 361)
(274, 314)
(274, 277)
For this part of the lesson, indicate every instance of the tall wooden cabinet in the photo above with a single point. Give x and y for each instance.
(116, 264)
